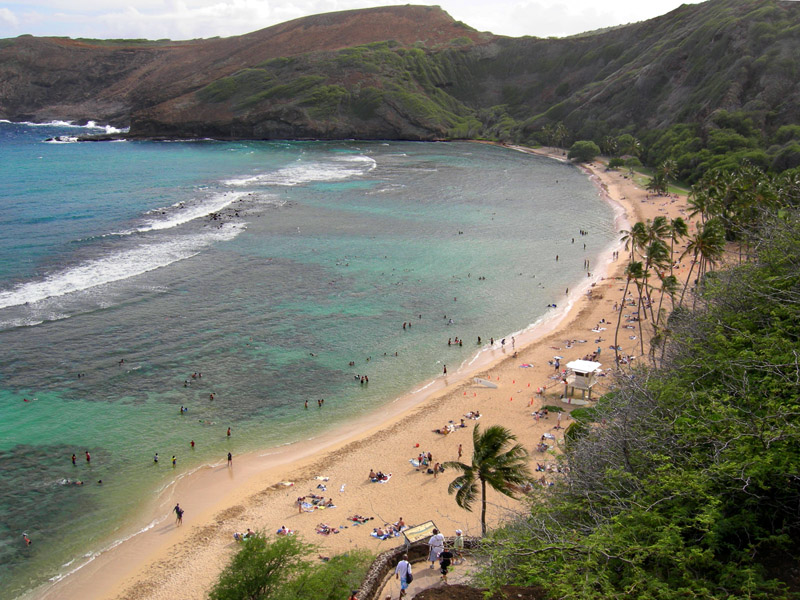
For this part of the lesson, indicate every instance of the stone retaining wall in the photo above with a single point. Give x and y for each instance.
(386, 562)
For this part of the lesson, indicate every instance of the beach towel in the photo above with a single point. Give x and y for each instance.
(322, 477)
(386, 535)
(525, 366)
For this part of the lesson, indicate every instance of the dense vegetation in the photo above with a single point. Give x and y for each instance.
(279, 569)
(685, 481)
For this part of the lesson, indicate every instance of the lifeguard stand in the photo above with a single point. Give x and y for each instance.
(581, 374)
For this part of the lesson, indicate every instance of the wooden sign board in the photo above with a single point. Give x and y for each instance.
(419, 532)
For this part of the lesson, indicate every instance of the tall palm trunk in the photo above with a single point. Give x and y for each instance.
(639, 315)
(688, 279)
(619, 321)
(483, 507)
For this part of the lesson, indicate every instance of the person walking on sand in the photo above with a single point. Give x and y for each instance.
(230, 459)
(435, 546)
(460, 451)
(178, 514)
(402, 572)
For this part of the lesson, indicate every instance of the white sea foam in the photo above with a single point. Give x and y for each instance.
(89, 125)
(62, 139)
(187, 212)
(337, 169)
(115, 267)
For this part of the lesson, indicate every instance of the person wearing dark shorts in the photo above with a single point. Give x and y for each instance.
(445, 558)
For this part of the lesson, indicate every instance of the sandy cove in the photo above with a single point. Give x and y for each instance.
(168, 562)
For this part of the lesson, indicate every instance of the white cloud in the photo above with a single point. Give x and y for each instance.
(8, 18)
(182, 19)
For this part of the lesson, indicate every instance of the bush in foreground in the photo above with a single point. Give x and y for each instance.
(279, 569)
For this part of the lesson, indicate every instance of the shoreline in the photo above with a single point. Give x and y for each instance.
(166, 562)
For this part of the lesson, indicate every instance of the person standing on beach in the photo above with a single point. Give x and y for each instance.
(178, 514)
(460, 451)
(230, 459)
(401, 572)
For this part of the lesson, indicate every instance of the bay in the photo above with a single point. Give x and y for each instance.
(137, 278)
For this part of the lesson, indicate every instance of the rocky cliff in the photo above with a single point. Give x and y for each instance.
(412, 72)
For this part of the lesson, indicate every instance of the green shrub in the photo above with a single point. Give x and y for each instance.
(279, 569)
(583, 151)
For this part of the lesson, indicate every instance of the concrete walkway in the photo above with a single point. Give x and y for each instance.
(424, 578)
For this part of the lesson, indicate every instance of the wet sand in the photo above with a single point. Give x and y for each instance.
(167, 561)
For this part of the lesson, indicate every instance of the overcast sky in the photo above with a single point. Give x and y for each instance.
(186, 19)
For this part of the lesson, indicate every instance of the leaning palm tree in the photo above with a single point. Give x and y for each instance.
(633, 272)
(678, 229)
(706, 247)
(491, 464)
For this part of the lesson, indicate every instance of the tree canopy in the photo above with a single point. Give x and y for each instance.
(583, 151)
(685, 481)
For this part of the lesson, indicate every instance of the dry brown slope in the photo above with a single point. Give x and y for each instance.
(45, 78)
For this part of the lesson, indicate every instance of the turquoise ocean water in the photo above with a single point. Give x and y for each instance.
(127, 267)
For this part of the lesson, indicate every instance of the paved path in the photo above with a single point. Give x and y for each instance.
(424, 578)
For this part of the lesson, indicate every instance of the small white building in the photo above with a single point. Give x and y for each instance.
(581, 374)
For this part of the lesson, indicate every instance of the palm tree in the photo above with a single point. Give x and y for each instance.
(708, 244)
(560, 135)
(633, 271)
(635, 238)
(491, 464)
(678, 229)
(658, 183)
(668, 168)
(669, 286)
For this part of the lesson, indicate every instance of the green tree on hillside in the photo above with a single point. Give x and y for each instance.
(583, 151)
(493, 464)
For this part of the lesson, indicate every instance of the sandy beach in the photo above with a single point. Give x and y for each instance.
(168, 561)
